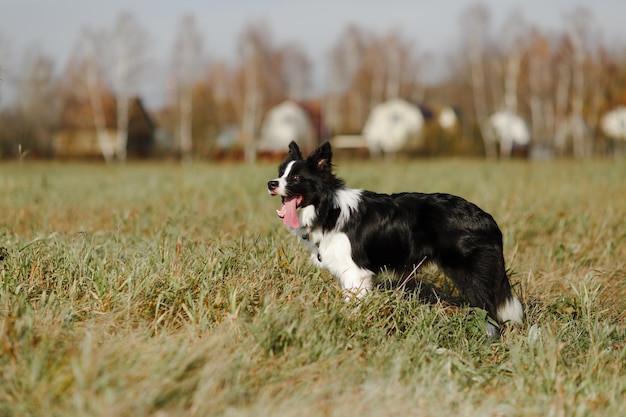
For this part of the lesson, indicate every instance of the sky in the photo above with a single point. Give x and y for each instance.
(315, 25)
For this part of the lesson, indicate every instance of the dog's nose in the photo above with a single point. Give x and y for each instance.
(272, 185)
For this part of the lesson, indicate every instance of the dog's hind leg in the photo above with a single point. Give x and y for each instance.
(482, 281)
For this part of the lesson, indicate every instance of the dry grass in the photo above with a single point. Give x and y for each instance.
(158, 290)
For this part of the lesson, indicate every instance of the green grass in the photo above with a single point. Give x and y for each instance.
(159, 290)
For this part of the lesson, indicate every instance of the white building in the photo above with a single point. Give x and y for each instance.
(393, 126)
(283, 123)
(511, 130)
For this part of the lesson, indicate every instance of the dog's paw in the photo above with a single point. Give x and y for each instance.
(355, 294)
(493, 331)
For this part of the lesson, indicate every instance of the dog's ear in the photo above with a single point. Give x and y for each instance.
(321, 158)
(294, 152)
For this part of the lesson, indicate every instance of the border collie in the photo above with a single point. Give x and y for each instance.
(355, 234)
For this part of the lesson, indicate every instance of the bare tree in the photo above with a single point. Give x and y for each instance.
(378, 64)
(514, 31)
(512, 43)
(260, 74)
(562, 96)
(346, 59)
(579, 28)
(393, 68)
(4, 58)
(85, 67)
(252, 97)
(367, 69)
(540, 87)
(187, 66)
(37, 98)
(130, 42)
(474, 24)
(573, 88)
(296, 70)
(222, 82)
(397, 56)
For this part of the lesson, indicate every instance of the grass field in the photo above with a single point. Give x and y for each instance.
(160, 290)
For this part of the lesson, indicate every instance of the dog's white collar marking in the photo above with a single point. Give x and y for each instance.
(347, 200)
(307, 216)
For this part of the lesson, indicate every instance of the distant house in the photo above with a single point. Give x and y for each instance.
(448, 119)
(77, 138)
(394, 126)
(286, 122)
(511, 132)
(613, 123)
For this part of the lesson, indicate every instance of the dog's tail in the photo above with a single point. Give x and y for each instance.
(510, 310)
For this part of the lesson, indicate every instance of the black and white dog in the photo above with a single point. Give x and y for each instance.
(355, 234)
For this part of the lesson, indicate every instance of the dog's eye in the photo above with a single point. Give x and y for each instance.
(296, 177)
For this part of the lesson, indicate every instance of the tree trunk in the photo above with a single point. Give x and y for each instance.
(560, 110)
(185, 126)
(99, 121)
(393, 72)
(121, 140)
(537, 118)
(480, 106)
(251, 102)
(579, 141)
(510, 96)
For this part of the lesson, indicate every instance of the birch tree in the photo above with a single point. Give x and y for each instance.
(576, 102)
(86, 67)
(474, 24)
(256, 56)
(540, 88)
(562, 96)
(221, 81)
(346, 58)
(393, 69)
(252, 96)
(37, 98)
(4, 58)
(187, 66)
(296, 70)
(579, 31)
(512, 46)
(130, 42)
(514, 30)
(397, 53)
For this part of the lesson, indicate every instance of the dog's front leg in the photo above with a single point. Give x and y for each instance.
(335, 254)
(356, 283)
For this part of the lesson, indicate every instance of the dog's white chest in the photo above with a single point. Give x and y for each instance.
(329, 250)
(332, 250)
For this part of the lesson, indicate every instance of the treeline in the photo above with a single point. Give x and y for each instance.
(559, 82)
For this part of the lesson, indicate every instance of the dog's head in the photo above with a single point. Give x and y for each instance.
(303, 182)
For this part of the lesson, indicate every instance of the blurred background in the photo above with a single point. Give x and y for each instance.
(114, 80)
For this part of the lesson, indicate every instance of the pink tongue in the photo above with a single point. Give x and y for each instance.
(288, 213)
